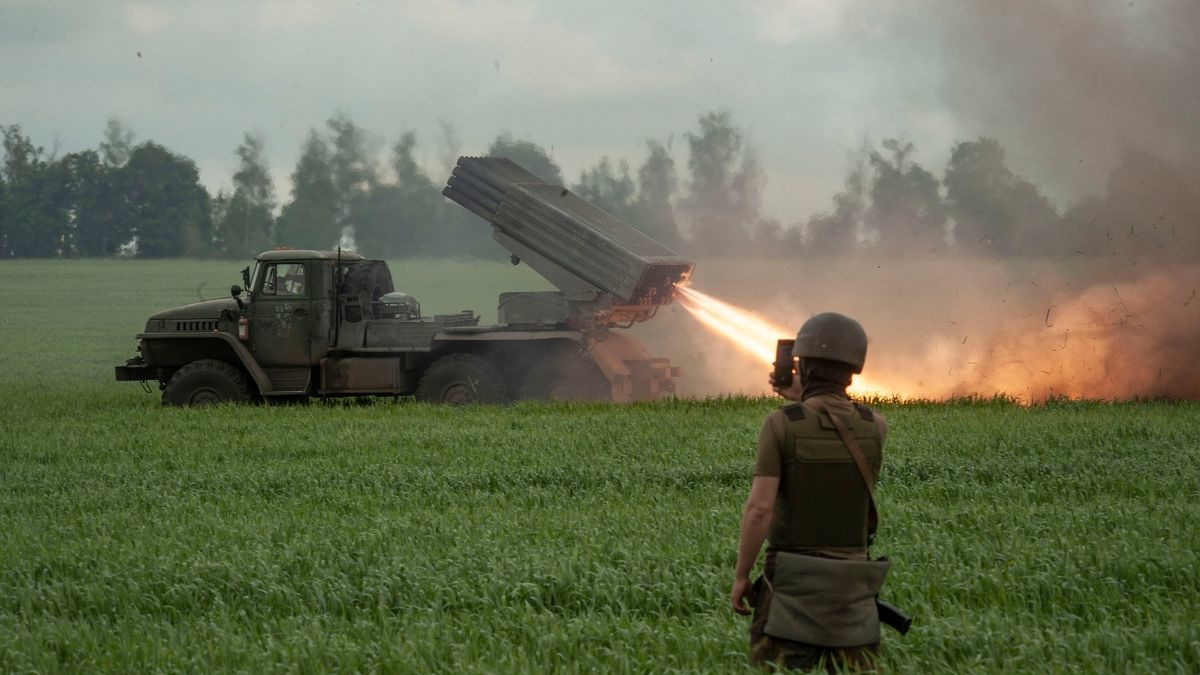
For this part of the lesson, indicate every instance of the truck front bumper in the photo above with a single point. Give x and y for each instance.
(135, 370)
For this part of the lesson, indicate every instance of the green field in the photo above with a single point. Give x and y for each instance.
(535, 538)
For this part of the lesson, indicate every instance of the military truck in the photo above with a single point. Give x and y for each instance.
(331, 323)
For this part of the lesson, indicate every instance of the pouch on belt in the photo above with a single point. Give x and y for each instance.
(825, 602)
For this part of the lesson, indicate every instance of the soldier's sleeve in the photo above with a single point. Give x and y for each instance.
(770, 442)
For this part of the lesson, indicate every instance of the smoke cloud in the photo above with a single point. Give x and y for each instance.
(1071, 85)
(1096, 99)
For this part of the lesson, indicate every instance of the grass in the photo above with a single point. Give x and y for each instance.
(405, 538)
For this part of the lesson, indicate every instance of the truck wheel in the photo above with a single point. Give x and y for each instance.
(462, 379)
(565, 377)
(373, 279)
(205, 382)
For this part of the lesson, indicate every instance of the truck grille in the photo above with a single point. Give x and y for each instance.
(190, 326)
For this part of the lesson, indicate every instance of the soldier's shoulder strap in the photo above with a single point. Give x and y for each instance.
(860, 460)
(865, 412)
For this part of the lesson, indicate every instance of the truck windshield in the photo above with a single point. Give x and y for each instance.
(284, 279)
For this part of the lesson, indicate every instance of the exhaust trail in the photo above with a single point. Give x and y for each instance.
(750, 333)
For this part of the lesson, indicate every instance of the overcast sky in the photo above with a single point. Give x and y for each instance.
(805, 79)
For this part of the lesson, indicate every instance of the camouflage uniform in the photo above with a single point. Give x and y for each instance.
(808, 504)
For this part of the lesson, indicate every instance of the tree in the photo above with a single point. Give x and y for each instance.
(531, 156)
(165, 204)
(117, 145)
(837, 232)
(353, 171)
(4, 220)
(400, 219)
(218, 207)
(94, 203)
(351, 165)
(310, 220)
(611, 189)
(413, 220)
(995, 212)
(244, 228)
(906, 204)
(725, 190)
(657, 187)
(378, 228)
(35, 220)
(418, 221)
(21, 156)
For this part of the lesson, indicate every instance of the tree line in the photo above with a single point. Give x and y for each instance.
(141, 199)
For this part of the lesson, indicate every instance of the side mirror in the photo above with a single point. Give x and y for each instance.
(245, 277)
(236, 292)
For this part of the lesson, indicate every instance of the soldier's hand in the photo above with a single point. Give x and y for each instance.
(792, 392)
(737, 595)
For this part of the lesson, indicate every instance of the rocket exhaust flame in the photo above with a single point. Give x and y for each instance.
(749, 332)
(746, 330)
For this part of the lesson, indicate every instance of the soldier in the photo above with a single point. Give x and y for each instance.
(811, 499)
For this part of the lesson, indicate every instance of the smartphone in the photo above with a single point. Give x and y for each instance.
(784, 363)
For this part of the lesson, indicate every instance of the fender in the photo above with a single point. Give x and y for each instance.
(239, 350)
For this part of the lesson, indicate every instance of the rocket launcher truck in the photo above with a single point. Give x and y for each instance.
(331, 323)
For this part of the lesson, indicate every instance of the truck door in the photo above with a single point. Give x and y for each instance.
(281, 315)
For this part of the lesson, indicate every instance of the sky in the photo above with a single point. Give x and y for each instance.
(807, 80)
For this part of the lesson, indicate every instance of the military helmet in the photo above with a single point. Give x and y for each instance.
(835, 337)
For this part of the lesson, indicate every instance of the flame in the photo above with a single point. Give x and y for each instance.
(750, 332)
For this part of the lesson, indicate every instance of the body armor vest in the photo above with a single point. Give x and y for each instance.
(822, 501)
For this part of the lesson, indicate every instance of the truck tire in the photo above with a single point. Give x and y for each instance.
(565, 377)
(369, 278)
(206, 382)
(462, 379)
